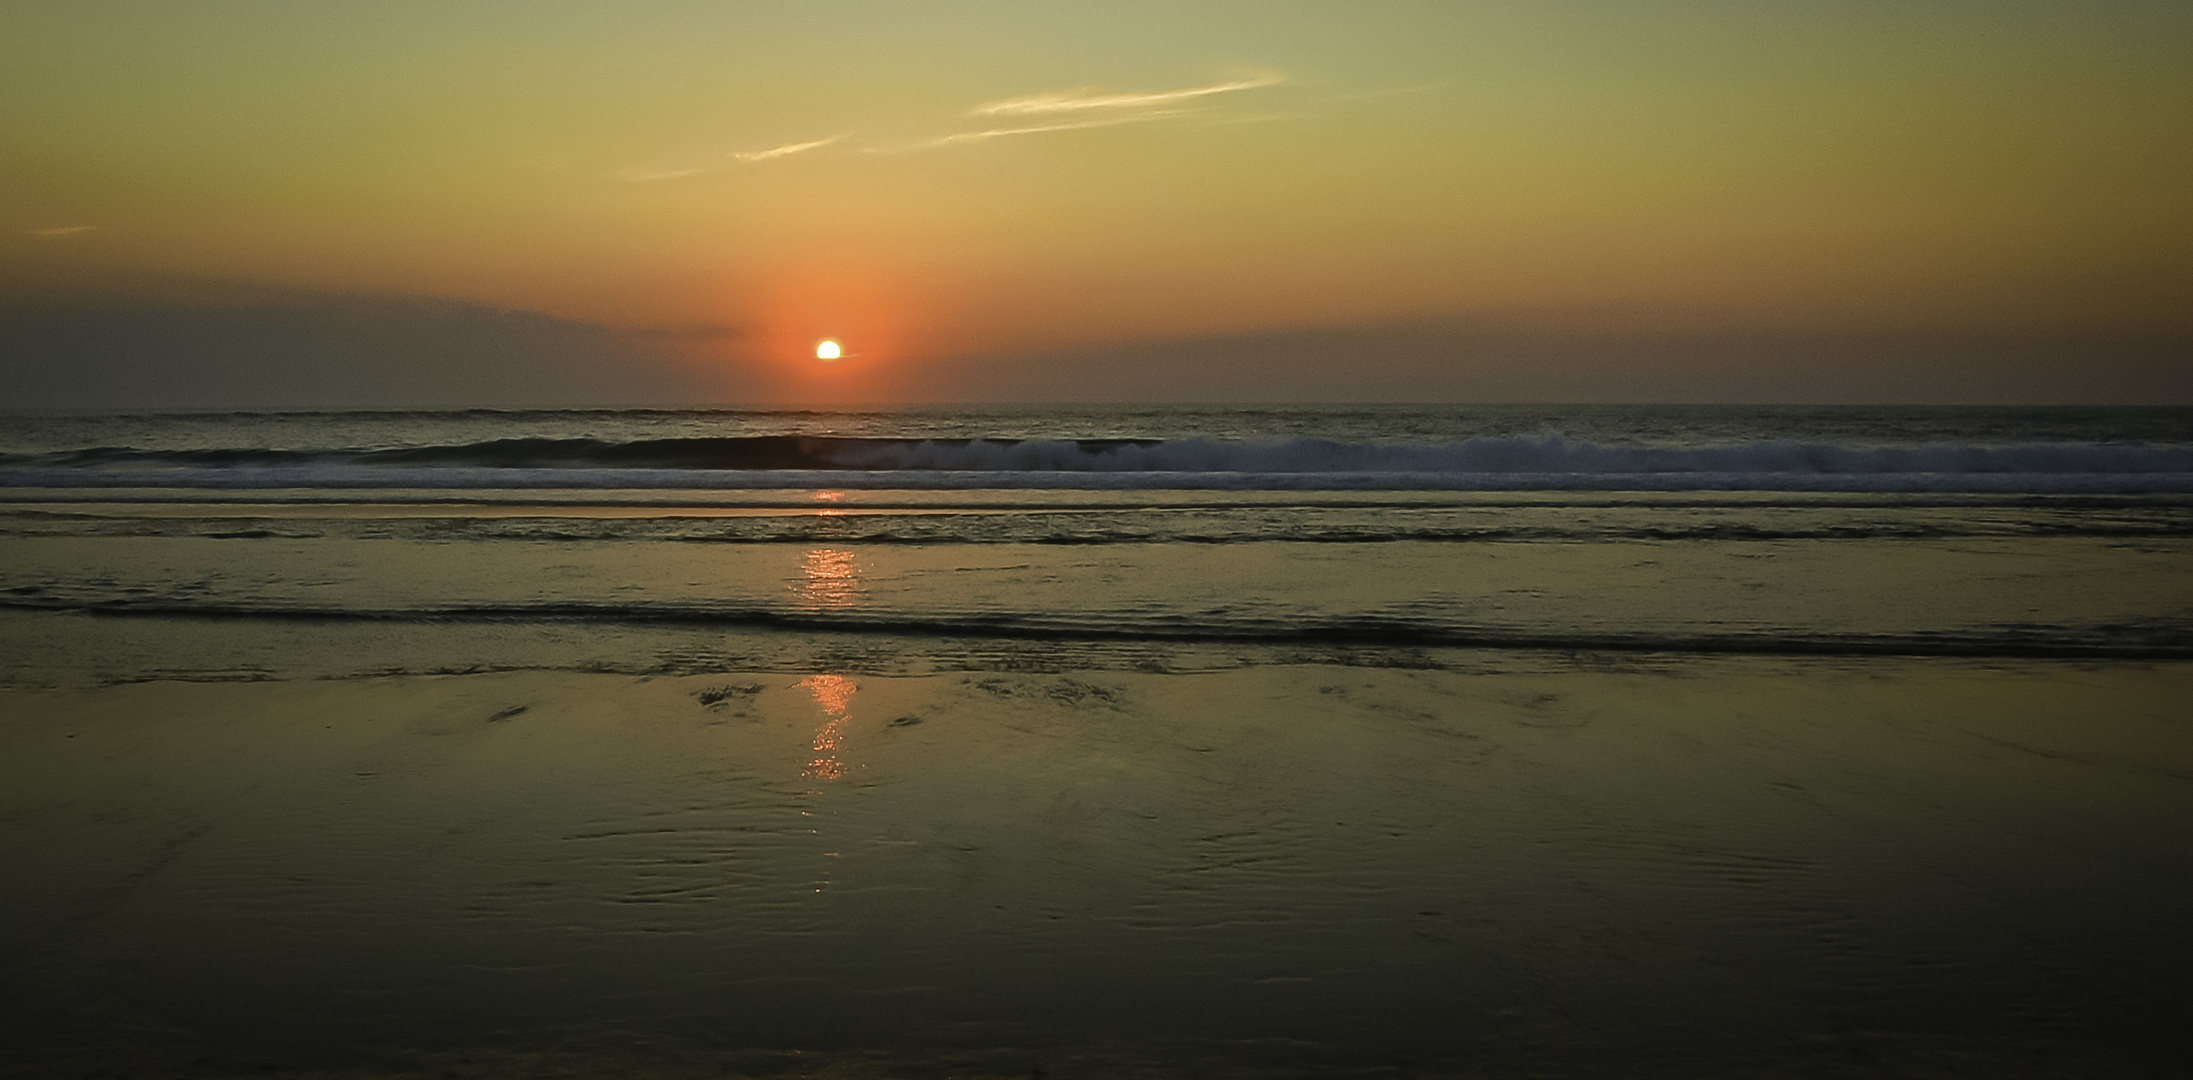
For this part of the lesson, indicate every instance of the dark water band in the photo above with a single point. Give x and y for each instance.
(2120, 642)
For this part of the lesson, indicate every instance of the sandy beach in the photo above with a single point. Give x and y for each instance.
(1523, 864)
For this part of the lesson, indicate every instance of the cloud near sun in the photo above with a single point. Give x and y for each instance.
(1099, 109)
(1083, 101)
(786, 150)
(1111, 110)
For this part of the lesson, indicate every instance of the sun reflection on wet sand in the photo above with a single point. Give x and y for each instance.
(829, 584)
(830, 579)
(835, 694)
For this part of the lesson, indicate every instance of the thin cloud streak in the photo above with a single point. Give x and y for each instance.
(962, 137)
(993, 133)
(1038, 104)
(65, 230)
(1122, 109)
(785, 150)
(649, 176)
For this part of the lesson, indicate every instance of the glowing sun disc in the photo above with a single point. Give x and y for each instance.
(828, 350)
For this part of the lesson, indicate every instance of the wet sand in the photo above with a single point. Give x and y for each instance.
(1523, 864)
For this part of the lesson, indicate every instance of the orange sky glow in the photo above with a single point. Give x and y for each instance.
(987, 199)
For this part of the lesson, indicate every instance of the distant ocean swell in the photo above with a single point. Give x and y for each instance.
(1482, 464)
(1395, 523)
(2129, 641)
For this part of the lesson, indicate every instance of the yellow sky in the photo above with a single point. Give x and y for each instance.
(956, 179)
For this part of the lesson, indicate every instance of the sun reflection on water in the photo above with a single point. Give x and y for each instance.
(830, 579)
(835, 694)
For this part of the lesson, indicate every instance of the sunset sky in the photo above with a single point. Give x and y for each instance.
(508, 203)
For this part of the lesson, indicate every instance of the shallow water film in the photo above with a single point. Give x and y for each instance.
(1511, 866)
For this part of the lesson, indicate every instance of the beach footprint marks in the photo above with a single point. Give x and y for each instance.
(732, 699)
(711, 696)
(1051, 706)
(1063, 689)
(1553, 711)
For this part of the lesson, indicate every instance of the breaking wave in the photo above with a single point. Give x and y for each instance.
(1492, 463)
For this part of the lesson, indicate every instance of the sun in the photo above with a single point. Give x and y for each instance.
(828, 350)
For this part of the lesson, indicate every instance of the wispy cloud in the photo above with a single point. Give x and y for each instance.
(647, 176)
(65, 230)
(1109, 110)
(957, 138)
(786, 150)
(1064, 110)
(1084, 100)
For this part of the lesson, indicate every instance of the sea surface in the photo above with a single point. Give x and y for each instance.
(1403, 740)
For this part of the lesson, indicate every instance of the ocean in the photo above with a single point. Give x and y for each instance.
(1096, 741)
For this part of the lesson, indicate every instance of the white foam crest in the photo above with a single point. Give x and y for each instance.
(357, 478)
(1549, 454)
